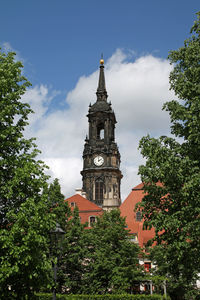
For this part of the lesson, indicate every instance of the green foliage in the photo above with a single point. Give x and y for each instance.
(112, 260)
(100, 259)
(173, 208)
(57, 205)
(20, 174)
(25, 219)
(106, 296)
(24, 265)
(60, 212)
(74, 252)
(184, 80)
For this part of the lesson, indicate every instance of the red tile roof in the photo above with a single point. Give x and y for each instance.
(86, 207)
(127, 209)
(83, 203)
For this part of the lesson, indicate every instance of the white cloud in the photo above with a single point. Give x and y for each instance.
(137, 91)
(66, 169)
(38, 98)
(7, 47)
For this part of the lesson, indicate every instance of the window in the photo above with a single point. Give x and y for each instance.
(138, 216)
(92, 220)
(133, 237)
(147, 287)
(72, 204)
(99, 192)
(147, 266)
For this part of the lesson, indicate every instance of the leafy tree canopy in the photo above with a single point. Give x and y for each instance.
(25, 265)
(173, 207)
(112, 258)
(57, 205)
(25, 216)
(21, 175)
(74, 255)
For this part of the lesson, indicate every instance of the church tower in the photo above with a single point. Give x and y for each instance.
(101, 158)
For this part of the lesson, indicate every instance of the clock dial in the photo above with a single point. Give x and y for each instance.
(98, 160)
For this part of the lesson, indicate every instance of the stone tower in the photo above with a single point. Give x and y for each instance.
(101, 158)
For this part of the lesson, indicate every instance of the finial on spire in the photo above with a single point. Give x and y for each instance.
(101, 60)
(101, 90)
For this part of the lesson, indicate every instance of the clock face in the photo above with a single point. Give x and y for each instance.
(98, 160)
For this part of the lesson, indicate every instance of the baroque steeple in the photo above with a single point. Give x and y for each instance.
(101, 90)
(101, 103)
(101, 158)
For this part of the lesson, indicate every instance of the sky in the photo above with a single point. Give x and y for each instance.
(60, 43)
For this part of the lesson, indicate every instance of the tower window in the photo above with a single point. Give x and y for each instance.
(100, 131)
(99, 192)
(138, 216)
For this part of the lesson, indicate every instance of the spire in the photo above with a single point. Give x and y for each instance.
(101, 90)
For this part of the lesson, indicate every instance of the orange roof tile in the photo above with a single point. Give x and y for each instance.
(127, 209)
(83, 204)
(86, 208)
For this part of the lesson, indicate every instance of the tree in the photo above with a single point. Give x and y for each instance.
(62, 213)
(25, 265)
(25, 218)
(173, 207)
(112, 262)
(57, 205)
(21, 175)
(74, 255)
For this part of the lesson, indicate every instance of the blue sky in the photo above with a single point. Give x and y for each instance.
(61, 40)
(60, 43)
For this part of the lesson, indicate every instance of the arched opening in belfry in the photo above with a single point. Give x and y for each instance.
(100, 131)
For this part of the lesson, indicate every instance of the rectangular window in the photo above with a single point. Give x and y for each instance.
(99, 192)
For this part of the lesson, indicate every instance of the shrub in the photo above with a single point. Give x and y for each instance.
(109, 297)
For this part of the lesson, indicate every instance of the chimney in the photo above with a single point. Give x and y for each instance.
(80, 192)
